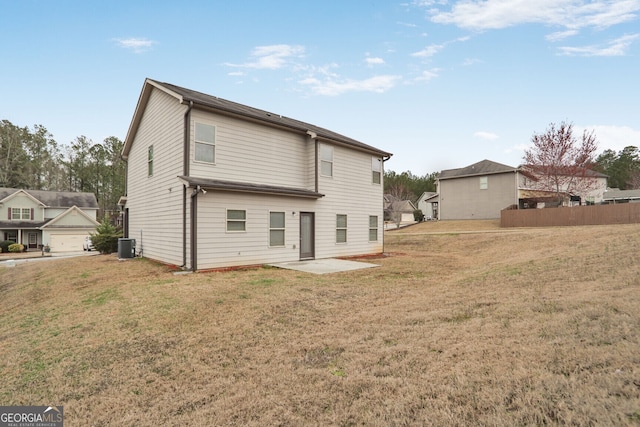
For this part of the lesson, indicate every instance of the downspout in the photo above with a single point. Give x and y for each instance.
(125, 219)
(194, 228)
(185, 172)
(384, 159)
(314, 137)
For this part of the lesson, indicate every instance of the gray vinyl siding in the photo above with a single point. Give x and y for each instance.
(22, 201)
(155, 202)
(350, 191)
(462, 198)
(356, 197)
(251, 153)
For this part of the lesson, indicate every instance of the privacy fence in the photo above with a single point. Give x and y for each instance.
(625, 213)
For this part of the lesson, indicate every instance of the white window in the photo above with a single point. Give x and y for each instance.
(341, 228)
(276, 228)
(150, 161)
(326, 160)
(18, 214)
(373, 228)
(236, 220)
(205, 143)
(484, 182)
(376, 170)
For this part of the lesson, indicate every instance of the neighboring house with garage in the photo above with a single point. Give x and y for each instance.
(36, 218)
(212, 183)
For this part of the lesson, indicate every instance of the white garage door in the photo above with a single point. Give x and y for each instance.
(67, 242)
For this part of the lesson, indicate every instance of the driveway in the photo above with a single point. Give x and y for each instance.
(11, 260)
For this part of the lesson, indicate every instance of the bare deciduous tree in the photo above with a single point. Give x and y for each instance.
(559, 163)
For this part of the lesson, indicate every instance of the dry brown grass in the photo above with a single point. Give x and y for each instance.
(526, 327)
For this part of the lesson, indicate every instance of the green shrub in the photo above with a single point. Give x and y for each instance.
(106, 238)
(418, 215)
(16, 247)
(4, 246)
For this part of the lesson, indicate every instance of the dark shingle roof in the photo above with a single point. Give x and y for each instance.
(57, 199)
(215, 184)
(484, 167)
(223, 105)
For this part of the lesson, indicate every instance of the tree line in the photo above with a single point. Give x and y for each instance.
(31, 159)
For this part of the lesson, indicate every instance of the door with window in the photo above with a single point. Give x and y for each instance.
(307, 235)
(33, 240)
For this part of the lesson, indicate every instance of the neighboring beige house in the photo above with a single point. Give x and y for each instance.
(428, 204)
(212, 183)
(483, 189)
(478, 191)
(58, 219)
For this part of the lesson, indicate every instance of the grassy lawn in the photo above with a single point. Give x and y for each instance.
(457, 327)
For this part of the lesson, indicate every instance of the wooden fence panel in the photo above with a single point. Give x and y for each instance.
(624, 213)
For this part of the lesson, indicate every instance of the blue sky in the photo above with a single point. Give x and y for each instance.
(440, 83)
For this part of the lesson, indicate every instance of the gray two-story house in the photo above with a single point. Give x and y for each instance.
(212, 183)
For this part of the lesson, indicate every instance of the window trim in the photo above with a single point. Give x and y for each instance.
(235, 220)
(196, 141)
(345, 228)
(150, 160)
(326, 161)
(484, 183)
(282, 229)
(376, 228)
(21, 214)
(376, 170)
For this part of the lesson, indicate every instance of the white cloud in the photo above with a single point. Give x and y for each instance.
(374, 61)
(427, 75)
(611, 137)
(571, 14)
(332, 87)
(428, 51)
(471, 61)
(560, 35)
(518, 148)
(137, 45)
(617, 47)
(272, 57)
(487, 136)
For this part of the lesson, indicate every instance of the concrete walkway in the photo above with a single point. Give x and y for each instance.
(324, 266)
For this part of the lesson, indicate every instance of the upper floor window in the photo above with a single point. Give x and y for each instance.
(484, 182)
(18, 214)
(341, 228)
(276, 228)
(236, 220)
(376, 170)
(150, 161)
(205, 143)
(326, 160)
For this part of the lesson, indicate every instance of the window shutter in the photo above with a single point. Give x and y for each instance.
(31, 214)
(9, 214)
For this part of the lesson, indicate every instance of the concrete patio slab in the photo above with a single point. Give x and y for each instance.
(324, 266)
